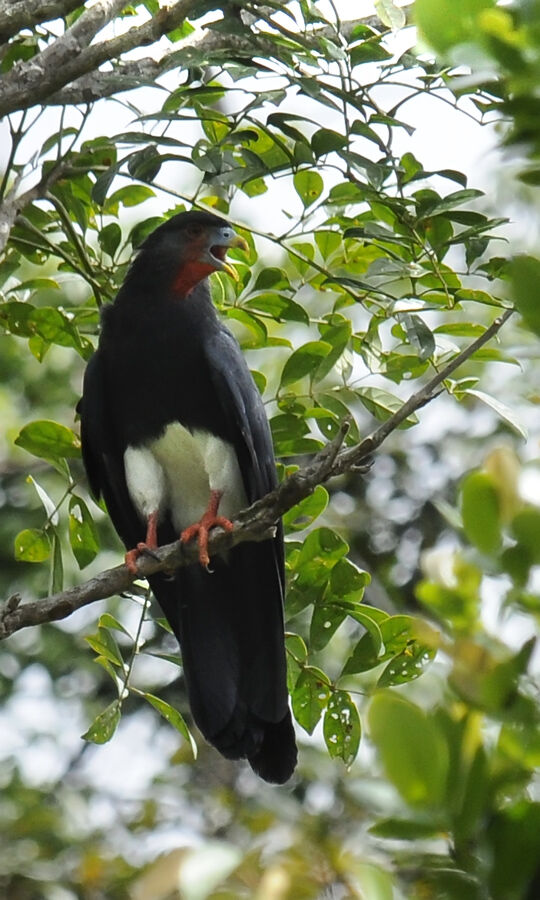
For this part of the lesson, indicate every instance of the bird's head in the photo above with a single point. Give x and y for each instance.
(192, 245)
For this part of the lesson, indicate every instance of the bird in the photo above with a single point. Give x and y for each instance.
(176, 440)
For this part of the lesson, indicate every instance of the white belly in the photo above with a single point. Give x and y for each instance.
(177, 471)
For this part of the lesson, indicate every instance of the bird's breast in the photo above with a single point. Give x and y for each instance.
(176, 471)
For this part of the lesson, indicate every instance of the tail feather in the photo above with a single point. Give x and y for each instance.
(230, 627)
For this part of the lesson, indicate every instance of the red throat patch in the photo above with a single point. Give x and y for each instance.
(189, 275)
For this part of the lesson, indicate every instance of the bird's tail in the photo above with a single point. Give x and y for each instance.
(230, 627)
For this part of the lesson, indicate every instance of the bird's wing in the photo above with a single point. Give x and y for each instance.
(103, 454)
(245, 412)
(250, 430)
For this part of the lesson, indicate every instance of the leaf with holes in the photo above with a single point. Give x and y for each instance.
(341, 727)
(103, 727)
(325, 621)
(310, 697)
(308, 185)
(32, 545)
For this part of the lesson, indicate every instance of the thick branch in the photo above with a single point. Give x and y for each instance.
(253, 524)
(27, 13)
(72, 55)
(133, 73)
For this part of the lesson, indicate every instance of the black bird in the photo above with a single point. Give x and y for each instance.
(172, 429)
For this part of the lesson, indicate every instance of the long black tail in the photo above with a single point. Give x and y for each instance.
(230, 627)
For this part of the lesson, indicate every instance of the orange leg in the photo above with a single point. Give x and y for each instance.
(148, 545)
(208, 520)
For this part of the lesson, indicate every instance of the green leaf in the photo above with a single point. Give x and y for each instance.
(310, 697)
(387, 636)
(341, 727)
(103, 727)
(271, 277)
(369, 651)
(109, 238)
(260, 380)
(480, 511)
(322, 543)
(255, 334)
(296, 657)
(131, 195)
(525, 278)
(279, 306)
(327, 242)
(390, 14)
(501, 409)
(304, 361)
(325, 621)
(145, 164)
(49, 440)
(56, 579)
(347, 581)
(32, 545)
(382, 405)
(408, 665)
(407, 829)
(324, 141)
(308, 185)
(368, 51)
(412, 749)
(174, 718)
(109, 621)
(448, 23)
(304, 513)
(105, 645)
(419, 335)
(526, 530)
(83, 535)
(103, 183)
(337, 336)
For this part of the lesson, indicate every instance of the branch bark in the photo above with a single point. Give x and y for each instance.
(17, 14)
(253, 524)
(72, 55)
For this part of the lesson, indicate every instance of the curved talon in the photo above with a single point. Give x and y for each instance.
(202, 528)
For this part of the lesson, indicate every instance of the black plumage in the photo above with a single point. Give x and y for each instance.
(165, 360)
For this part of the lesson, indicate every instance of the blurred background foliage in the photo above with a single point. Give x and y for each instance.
(413, 588)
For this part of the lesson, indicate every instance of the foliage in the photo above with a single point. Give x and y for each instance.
(377, 274)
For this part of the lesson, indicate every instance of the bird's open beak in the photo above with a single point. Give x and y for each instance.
(218, 252)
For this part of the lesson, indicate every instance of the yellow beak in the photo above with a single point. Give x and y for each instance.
(236, 242)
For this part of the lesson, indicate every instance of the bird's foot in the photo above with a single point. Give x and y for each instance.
(202, 528)
(132, 556)
(146, 547)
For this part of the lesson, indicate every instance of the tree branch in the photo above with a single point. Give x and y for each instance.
(254, 524)
(133, 73)
(17, 14)
(72, 55)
